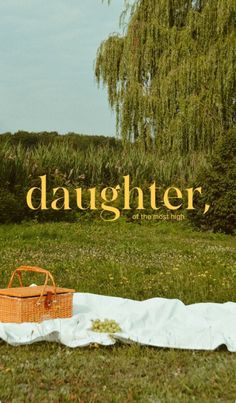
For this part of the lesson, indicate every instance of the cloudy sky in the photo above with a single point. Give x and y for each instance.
(47, 53)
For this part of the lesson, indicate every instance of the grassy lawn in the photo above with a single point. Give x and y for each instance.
(133, 261)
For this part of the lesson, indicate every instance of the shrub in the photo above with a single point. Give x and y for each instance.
(12, 208)
(219, 186)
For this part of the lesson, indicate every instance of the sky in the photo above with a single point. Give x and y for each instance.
(47, 54)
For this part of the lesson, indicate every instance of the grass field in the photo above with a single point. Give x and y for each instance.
(133, 261)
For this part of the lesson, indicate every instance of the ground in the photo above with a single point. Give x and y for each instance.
(127, 260)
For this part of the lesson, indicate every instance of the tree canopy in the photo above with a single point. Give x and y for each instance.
(171, 75)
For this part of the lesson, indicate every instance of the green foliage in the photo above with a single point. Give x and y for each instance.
(99, 166)
(12, 208)
(77, 141)
(105, 165)
(219, 183)
(69, 165)
(171, 76)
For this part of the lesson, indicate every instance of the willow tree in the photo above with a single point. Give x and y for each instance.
(171, 75)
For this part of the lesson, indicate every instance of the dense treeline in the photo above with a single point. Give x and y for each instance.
(76, 141)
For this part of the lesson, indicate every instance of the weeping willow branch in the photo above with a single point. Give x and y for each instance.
(171, 76)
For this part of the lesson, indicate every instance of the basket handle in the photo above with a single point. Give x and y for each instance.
(34, 269)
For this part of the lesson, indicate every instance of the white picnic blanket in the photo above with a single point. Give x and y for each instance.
(155, 322)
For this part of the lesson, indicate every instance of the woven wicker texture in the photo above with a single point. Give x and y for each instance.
(34, 304)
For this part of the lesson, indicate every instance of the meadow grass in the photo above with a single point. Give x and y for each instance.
(133, 261)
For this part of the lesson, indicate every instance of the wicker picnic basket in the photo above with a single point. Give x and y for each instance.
(37, 303)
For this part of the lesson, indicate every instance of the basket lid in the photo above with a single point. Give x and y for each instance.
(35, 291)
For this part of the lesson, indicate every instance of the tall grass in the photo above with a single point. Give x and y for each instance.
(103, 165)
(97, 166)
